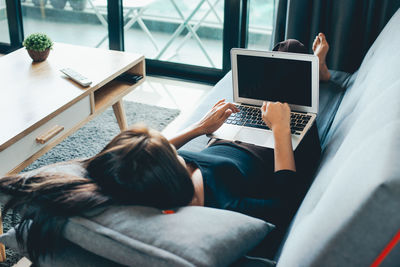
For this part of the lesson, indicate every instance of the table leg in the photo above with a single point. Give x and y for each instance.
(2, 248)
(120, 115)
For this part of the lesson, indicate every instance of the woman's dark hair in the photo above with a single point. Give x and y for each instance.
(138, 167)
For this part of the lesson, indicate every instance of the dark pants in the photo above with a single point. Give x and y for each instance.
(307, 156)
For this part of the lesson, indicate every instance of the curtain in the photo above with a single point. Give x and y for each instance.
(350, 26)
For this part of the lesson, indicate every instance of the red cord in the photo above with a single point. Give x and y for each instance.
(386, 250)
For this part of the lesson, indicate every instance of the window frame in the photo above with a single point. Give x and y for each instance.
(15, 28)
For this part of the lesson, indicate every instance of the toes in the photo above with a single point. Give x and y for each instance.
(317, 40)
(316, 43)
(322, 38)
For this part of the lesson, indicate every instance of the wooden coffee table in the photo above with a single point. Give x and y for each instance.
(40, 107)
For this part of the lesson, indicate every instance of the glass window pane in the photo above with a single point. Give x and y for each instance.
(4, 33)
(180, 31)
(67, 21)
(261, 16)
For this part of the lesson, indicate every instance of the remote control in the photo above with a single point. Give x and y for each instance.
(77, 77)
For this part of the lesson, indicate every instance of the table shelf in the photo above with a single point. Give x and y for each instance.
(114, 90)
(111, 93)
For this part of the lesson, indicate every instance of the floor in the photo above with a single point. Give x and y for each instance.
(170, 93)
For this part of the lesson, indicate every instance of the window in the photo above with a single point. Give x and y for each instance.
(181, 38)
(188, 32)
(261, 16)
(4, 33)
(67, 21)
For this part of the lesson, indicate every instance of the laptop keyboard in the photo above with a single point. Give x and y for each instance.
(251, 117)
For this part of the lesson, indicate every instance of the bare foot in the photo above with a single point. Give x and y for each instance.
(320, 48)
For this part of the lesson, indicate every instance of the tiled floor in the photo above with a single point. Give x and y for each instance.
(170, 93)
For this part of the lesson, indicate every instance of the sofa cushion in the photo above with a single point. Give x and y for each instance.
(143, 236)
(351, 210)
(193, 236)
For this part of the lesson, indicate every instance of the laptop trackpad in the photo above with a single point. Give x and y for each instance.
(255, 136)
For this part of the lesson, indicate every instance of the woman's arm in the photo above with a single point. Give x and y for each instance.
(283, 153)
(277, 117)
(207, 125)
(185, 136)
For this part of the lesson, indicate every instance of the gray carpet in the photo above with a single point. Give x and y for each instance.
(91, 138)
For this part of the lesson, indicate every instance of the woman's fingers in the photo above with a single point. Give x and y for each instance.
(233, 107)
(219, 102)
(227, 106)
(222, 104)
(286, 106)
(227, 113)
(264, 106)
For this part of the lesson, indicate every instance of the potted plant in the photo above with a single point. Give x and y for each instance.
(60, 4)
(38, 46)
(78, 5)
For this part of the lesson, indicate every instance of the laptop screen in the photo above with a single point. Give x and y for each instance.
(274, 79)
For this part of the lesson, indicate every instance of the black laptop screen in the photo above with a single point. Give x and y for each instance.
(274, 79)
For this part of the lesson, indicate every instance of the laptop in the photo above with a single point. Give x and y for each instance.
(271, 76)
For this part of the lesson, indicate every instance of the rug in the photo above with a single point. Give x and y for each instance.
(90, 139)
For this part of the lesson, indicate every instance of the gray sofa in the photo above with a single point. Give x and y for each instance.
(349, 215)
(351, 210)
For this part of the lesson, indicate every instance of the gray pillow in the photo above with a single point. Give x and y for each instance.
(143, 236)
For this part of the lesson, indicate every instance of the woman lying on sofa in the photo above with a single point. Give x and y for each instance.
(141, 167)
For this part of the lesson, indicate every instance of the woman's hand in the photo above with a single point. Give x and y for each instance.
(216, 117)
(208, 124)
(276, 115)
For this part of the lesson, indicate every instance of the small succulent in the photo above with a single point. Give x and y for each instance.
(37, 42)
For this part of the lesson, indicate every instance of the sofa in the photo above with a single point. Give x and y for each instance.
(351, 211)
(347, 218)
